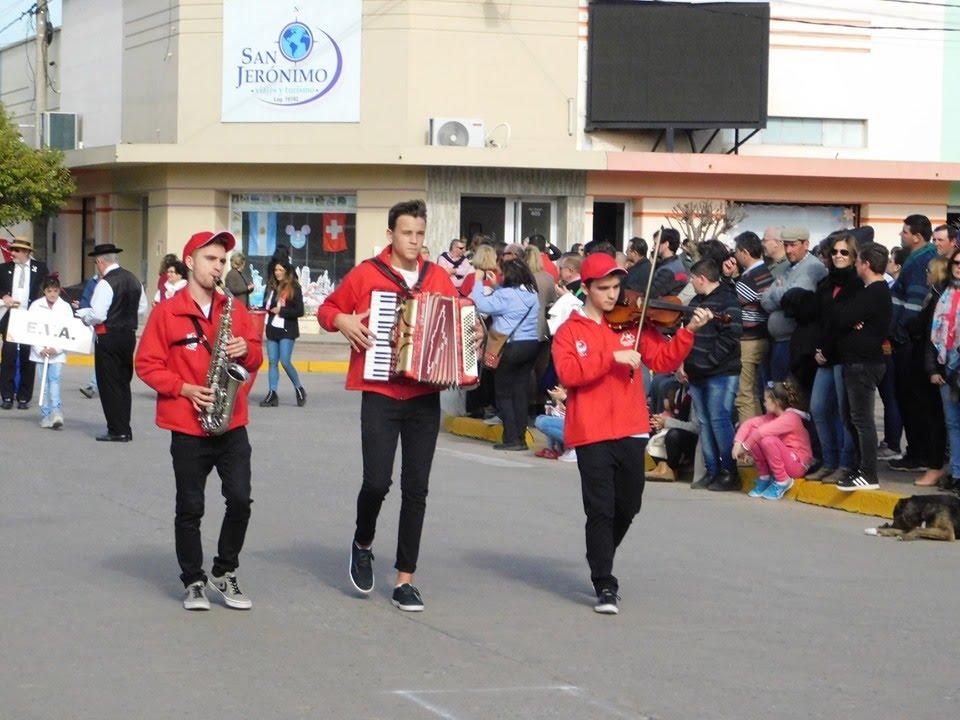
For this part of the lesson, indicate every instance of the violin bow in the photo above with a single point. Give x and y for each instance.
(646, 294)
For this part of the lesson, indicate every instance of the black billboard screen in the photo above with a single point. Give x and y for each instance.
(681, 65)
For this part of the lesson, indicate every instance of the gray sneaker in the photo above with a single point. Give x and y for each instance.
(195, 597)
(230, 591)
(57, 420)
(88, 391)
(46, 421)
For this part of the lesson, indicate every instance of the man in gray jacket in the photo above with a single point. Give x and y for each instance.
(805, 272)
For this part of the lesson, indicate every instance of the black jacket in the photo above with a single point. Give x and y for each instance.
(716, 346)
(38, 273)
(847, 283)
(290, 312)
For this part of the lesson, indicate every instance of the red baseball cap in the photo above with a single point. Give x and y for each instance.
(599, 265)
(202, 239)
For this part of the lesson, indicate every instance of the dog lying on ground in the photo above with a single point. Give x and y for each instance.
(933, 517)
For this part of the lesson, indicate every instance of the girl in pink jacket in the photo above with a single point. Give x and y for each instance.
(778, 442)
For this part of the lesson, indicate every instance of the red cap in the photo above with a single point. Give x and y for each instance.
(202, 239)
(599, 265)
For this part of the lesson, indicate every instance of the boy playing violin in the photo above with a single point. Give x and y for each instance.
(606, 417)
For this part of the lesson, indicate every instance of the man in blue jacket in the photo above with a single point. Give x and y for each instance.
(909, 292)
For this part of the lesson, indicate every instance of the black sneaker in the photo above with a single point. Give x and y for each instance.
(361, 568)
(907, 464)
(607, 603)
(703, 482)
(407, 598)
(856, 480)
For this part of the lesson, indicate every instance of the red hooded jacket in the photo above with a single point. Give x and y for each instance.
(353, 296)
(603, 403)
(165, 362)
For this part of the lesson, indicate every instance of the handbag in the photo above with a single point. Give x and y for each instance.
(497, 341)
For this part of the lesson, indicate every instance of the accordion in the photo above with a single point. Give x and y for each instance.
(428, 338)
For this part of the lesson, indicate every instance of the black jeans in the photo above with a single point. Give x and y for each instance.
(611, 479)
(416, 422)
(113, 362)
(11, 353)
(860, 382)
(193, 459)
(512, 381)
(680, 444)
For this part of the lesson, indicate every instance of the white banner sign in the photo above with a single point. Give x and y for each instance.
(42, 329)
(291, 61)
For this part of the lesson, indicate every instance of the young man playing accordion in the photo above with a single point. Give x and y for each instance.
(391, 407)
(173, 358)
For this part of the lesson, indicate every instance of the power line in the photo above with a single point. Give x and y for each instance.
(929, 3)
(29, 11)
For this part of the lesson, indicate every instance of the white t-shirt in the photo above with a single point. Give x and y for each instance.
(410, 277)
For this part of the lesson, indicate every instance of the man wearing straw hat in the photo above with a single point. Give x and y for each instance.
(20, 281)
(118, 301)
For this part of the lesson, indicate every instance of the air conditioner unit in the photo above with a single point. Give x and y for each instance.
(456, 132)
(60, 130)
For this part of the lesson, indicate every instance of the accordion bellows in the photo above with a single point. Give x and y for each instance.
(428, 338)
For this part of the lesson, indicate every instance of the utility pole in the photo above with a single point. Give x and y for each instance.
(40, 73)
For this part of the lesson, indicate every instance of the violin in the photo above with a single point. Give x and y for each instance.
(663, 312)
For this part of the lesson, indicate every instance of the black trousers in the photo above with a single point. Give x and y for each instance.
(113, 363)
(11, 353)
(416, 423)
(920, 407)
(512, 382)
(680, 444)
(193, 459)
(611, 479)
(860, 381)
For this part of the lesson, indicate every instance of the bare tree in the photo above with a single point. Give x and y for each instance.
(701, 220)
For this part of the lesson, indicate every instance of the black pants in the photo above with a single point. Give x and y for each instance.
(860, 383)
(193, 459)
(512, 381)
(680, 444)
(113, 362)
(11, 353)
(611, 479)
(416, 422)
(920, 407)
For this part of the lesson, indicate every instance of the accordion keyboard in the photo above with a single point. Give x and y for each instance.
(379, 360)
(468, 334)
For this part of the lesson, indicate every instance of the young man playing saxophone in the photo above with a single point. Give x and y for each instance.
(173, 358)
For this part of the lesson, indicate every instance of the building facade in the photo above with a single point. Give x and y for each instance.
(860, 130)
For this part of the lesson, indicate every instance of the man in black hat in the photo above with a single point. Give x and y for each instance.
(118, 299)
(20, 281)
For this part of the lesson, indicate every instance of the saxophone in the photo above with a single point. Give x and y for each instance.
(223, 376)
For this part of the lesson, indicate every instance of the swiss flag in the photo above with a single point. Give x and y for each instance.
(334, 232)
(5, 250)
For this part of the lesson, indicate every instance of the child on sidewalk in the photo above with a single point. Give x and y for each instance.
(778, 442)
(51, 416)
(551, 425)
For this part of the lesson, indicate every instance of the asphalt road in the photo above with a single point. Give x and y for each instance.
(732, 608)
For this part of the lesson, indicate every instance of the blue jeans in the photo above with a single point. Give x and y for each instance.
(713, 402)
(281, 351)
(552, 427)
(51, 393)
(826, 407)
(951, 414)
(779, 360)
(892, 422)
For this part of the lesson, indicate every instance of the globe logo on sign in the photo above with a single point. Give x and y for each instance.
(296, 41)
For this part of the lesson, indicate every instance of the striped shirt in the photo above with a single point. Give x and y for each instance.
(750, 286)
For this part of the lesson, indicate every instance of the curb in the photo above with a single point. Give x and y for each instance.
(878, 503)
(305, 366)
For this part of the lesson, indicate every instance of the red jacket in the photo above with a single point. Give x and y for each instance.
(603, 403)
(353, 296)
(165, 364)
(550, 267)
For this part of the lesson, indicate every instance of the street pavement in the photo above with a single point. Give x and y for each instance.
(732, 608)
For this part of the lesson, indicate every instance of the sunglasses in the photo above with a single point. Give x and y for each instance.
(844, 253)
(955, 262)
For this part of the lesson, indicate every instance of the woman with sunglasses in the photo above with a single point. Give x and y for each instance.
(944, 362)
(827, 397)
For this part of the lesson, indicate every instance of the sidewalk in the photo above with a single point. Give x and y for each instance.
(894, 485)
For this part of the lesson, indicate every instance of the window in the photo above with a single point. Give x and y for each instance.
(319, 232)
(822, 132)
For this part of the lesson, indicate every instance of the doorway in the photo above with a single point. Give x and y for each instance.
(609, 219)
(483, 216)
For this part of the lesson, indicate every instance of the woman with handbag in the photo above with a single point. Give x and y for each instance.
(285, 305)
(512, 344)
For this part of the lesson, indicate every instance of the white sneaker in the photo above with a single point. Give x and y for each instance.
(230, 591)
(492, 420)
(569, 456)
(46, 422)
(57, 420)
(195, 597)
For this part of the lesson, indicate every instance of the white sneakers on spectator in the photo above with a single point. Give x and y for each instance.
(492, 420)
(569, 456)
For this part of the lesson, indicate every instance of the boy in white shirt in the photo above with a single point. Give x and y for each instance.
(51, 416)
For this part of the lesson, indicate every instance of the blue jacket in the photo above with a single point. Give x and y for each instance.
(507, 307)
(909, 291)
(87, 293)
